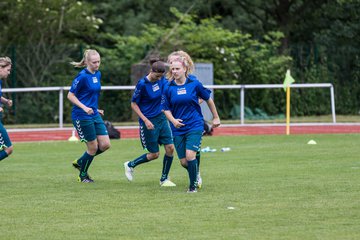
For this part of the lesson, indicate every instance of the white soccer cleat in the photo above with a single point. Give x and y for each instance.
(192, 190)
(198, 180)
(167, 183)
(128, 171)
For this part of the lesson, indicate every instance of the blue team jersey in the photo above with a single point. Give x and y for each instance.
(183, 102)
(86, 87)
(147, 96)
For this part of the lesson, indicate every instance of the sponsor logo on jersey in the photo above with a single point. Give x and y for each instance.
(155, 87)
(181, 91)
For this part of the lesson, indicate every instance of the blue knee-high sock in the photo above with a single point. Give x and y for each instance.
(3, 154)
(85, 160)
(192, 170)
(166, 167)
(98, 152)
(80, 160)
(138, 161)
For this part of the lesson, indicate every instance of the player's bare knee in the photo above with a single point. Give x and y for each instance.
(169, 150)
(105, 146)
(183, 162)
(153, 156)
(92, 150)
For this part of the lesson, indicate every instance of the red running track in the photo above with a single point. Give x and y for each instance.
(64, 134)
(307, 129)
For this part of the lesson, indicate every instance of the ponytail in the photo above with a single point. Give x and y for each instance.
(86, 56)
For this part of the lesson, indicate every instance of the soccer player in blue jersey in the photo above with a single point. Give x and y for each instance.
(6, 147)
(173, 56)
(154, 127)
(84, 95)
(181, 107)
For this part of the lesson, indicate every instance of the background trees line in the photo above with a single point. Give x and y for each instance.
(248, 41)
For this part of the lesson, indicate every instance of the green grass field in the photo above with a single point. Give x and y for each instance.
(279, 186)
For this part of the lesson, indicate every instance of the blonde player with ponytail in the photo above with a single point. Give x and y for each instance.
(181, 107)
(185, 57)
(84, 95)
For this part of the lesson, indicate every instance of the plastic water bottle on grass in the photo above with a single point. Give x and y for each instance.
(225, 149)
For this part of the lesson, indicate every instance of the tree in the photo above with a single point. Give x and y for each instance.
(41, 37)
(127, 17)
(237, 58)
(42, 33)
(339, 51)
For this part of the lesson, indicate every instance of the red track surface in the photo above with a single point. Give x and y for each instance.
(263, 130)
(55, 134)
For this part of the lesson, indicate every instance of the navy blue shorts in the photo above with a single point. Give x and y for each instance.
(160, 135)
(188, 141)
(89, 129)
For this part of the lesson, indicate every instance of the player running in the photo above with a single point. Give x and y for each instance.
(84, 94)
(181, 106)
(154, 127)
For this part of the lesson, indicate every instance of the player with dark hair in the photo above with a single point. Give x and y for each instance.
(6, 147)
(154, 127)
(84, 94)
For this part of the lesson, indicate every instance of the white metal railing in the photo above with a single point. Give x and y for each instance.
(241, 87)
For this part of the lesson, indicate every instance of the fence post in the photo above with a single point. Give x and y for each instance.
(61, 107)
(332, 103)
(242, 104)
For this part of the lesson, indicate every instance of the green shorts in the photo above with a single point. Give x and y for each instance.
(4, 138)
(160, 135)
(89, 129)
(188, 141)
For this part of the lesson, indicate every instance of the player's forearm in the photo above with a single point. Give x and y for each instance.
(4, 100)
(212, 108)
(169, 116)
(74, 100)
(137, 110)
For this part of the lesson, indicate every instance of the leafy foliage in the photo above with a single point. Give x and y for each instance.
(39, 37)
(237, 58)
(247, 41)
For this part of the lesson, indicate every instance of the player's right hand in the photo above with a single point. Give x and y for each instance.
(89, 111)
(149, 125)
(178, 123)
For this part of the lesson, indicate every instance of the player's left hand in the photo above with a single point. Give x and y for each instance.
(216, 122)
(101, 112)
(9, 103)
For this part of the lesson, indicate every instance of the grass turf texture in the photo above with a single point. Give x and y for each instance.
(279, 187)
